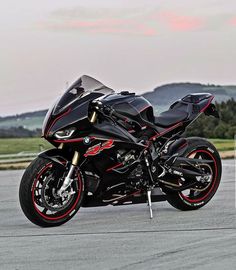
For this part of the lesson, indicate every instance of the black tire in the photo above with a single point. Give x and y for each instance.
(31, 204)
(184, 203)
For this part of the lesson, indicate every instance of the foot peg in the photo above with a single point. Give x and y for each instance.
(149, 192)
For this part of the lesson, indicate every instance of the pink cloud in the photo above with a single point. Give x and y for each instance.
(100, 23)
(181, 22)
(232, 21)
(110, 26)
(134, 31)
(147, 30)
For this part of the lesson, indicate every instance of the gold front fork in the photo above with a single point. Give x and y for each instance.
(69, 178)
(60, 146)
(75, 159)
(93, 117)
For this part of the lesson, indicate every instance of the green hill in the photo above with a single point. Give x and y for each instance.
(161, 98)
(30, 120)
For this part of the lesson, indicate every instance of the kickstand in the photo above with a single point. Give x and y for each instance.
(150, 202)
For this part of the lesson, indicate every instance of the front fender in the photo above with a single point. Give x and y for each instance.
(57, 156)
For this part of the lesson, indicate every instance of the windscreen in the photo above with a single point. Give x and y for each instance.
(79, 89)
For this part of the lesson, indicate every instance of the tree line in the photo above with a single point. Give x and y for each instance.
(19, 132)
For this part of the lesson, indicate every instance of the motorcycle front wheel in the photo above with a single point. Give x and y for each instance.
(38, 195)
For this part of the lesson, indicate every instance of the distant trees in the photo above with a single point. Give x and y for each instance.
(210, 127)
(19, 132)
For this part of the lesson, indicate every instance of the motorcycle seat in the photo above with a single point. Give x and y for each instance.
(170, 117)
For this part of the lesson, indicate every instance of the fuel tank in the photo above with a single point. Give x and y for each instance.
(132, 106)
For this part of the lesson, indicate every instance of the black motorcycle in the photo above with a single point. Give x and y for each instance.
(109, 148)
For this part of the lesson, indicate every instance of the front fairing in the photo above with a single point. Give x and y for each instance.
(79, 90)
(72, 108)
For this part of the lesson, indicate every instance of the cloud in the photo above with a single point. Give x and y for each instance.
(138, 21)
(180, 23)
(111, 26)
(93, 13)
(232, 21)
(105, 21)
(108, 26)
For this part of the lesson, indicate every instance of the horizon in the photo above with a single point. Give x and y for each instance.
(166, 84)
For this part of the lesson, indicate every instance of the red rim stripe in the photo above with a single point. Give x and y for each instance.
(69, 211)
(213, 184)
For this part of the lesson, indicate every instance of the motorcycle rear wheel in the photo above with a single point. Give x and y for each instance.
(193, 199)
(38, 194)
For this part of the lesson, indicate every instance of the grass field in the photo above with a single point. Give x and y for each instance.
(223, 145)
(13, 146)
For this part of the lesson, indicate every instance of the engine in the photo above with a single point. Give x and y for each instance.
(125, 157)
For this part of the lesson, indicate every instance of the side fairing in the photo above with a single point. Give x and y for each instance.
(76, 114)
(72, 107)
(105, 130)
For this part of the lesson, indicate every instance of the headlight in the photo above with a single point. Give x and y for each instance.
(66, 133)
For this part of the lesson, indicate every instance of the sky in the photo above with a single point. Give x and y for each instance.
(131, 45)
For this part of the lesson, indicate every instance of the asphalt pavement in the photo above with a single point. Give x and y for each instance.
(122, 237)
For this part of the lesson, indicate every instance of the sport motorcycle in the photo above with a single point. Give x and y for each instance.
(110, 149)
